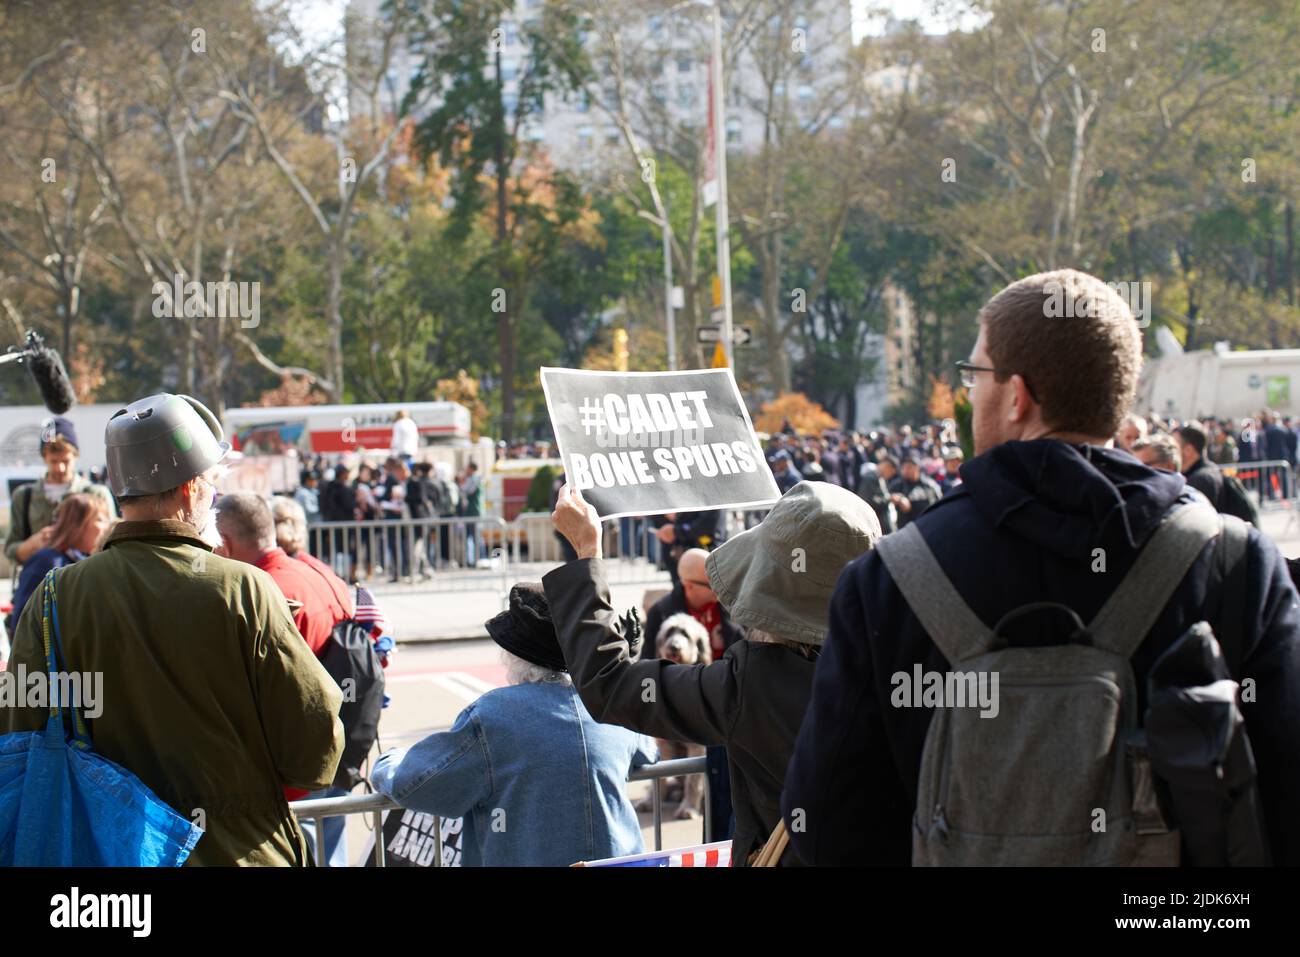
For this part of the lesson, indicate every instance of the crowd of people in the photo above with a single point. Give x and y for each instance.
(401, 489)
(850, 639)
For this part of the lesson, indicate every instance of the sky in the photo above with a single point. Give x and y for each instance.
(321, 18)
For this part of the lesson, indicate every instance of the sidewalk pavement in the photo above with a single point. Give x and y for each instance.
(424, 616)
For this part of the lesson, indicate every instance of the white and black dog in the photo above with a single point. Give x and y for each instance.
(683, 641)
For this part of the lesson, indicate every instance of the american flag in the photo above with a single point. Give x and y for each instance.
(369, 613)
(701, 855)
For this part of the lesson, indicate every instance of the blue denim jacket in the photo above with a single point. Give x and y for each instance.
(537, 780)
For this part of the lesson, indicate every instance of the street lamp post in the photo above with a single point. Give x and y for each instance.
(720, 167)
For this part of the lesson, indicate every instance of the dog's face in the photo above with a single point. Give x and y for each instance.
(684, 641)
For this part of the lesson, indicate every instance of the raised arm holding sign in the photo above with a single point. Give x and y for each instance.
(649, 443)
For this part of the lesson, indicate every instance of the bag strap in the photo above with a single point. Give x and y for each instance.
(25, 509)
(1225, 602)
(947, 619)
(80, 737)
(1135, 606)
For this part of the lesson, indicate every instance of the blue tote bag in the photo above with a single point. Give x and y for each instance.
(63, 805)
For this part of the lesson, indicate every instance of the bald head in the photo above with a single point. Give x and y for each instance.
(246, 525)
(694, 579)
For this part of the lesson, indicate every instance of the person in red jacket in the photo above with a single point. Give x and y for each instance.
(247, 531)
(318, 601)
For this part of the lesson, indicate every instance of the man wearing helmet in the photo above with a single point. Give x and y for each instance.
(211, 697)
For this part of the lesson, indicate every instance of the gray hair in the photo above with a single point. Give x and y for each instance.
(1166, 450)
(521, 672)
(245, 516)
(1136, 421)
(290, 524)
(768, 638)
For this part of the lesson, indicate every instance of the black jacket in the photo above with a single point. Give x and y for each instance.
(1022, 528)
(338, 503)
(922, 493)
(673, 603)
(752, 700)
(1206, 478)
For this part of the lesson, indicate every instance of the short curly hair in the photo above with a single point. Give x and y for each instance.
(1075, 342)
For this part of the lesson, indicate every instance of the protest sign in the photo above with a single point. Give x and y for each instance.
(410, 840)
(646, 443)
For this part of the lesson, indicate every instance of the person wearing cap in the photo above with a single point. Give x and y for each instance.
(912, 492)
(951, 478)
(776, 579)
(31, 509)
(538, 781)
(211, 696)
(784, 471)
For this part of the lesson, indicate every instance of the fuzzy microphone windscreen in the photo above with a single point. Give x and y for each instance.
(51, 379)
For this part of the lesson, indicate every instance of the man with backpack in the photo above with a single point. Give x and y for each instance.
(943, 628)
(323, 611)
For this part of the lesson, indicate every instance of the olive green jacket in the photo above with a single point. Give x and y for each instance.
(30, 510)
(209, 693)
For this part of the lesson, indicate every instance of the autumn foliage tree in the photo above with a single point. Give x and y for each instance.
(803, 415)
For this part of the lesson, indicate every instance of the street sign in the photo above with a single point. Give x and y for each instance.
(740, 335)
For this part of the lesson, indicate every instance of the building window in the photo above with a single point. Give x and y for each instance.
(611, 135)
(686, 94)
(733, 131)
(683, 64)
(584, 137)
(509, 71)
(658, 91)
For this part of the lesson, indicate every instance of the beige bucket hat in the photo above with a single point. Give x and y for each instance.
(779, 575)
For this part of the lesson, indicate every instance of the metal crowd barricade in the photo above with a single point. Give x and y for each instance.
(457, 553)
(318, 809)
(1271, 482)
(486, 553)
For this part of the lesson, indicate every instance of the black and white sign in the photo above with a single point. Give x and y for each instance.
(740, 335)
(646, 443)
(410, 841)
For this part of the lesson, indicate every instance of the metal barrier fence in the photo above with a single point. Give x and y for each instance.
(1270, 482)
(458, 553)
(486, 553)
(319, 809)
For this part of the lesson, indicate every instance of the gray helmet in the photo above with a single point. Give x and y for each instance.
(160, 442)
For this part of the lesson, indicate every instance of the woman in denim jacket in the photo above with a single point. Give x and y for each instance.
(537, 780)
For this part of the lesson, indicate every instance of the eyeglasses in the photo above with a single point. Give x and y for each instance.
(967, 371)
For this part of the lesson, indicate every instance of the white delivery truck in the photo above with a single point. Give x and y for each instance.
(1218, 382)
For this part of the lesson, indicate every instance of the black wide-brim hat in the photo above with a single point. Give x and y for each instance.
(525, 628)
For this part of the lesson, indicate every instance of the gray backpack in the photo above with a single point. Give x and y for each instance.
(1058, 774)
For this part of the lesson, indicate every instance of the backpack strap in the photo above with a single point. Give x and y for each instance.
(1225, 604)
(1133, 608)
(947, 619)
